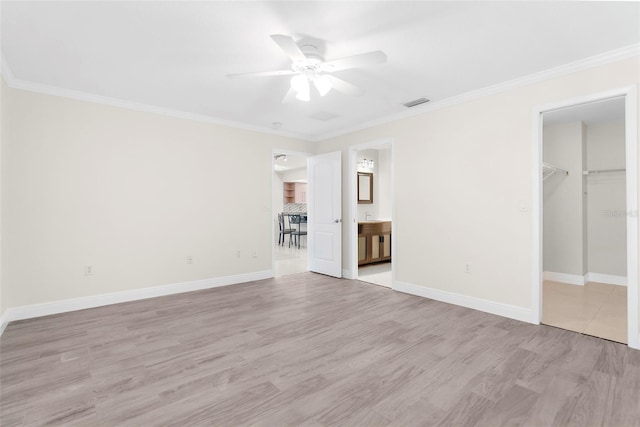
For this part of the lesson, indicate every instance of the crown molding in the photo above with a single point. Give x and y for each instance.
(572, 67)
(5, 70)
(15, 83)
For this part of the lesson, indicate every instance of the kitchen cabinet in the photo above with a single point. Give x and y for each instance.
(294, 192)
(374, 241)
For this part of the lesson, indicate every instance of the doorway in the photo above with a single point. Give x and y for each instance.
(289, 212)
(372, 245)
(585, 194)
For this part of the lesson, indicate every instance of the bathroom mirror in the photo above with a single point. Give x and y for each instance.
(365, 187)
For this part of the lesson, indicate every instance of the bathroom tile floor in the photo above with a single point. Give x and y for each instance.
(378, 274)
(595, 309)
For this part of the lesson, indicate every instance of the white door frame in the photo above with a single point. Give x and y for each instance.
(630, 93)
(273, 173)
(352, 228)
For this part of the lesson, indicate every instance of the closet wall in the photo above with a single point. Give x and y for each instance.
(585, 215)
(563, 200)
(606, 214)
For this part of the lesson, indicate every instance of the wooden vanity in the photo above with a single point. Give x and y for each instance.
(374, 241)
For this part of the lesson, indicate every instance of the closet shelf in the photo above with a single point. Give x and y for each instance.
(549, 170)
(597, 171)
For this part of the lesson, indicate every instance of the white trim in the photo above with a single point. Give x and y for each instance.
(6, 71)
(504, 310)
(609, 279)
(352, 228)
(571, 279)
(64, 306)
(3, 324)
(347, 274)
(15, 83)
(632, 164)
(572, 67)
(631, 154)
(576, 279)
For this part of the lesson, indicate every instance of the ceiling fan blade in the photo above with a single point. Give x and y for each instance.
(289, 46)
(290, 96)
(344, 87)
(355, 61)
(262, 74)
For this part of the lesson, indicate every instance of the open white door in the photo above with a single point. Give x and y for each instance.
(324, 210)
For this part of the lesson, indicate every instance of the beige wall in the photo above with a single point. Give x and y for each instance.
(461, 173)
(130, 193)
(133, 194)
(384, 183)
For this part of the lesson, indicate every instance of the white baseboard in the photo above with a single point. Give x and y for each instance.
(574, 279)
(571, 279)
(504, 310)
(63, 306)
(3, 324)
(346, 274)
(609, 279)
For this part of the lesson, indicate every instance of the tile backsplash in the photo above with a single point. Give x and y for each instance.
(295, 208)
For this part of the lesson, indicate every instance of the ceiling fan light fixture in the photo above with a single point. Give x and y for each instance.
(300, 83)
(304, 95)
(323, 85)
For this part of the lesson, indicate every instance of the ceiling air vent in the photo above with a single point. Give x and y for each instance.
(323, 116)
(415, 102)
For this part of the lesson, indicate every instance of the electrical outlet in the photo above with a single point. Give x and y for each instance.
(189, 259)
(254, 253)
(238, 253)
(467, 268)
(88, 270)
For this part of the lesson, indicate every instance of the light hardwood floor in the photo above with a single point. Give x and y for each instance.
(308, 350)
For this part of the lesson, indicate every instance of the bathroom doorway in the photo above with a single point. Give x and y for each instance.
(371, 207)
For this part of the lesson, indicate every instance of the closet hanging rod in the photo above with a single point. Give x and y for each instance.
(552, 168)
(603, 171)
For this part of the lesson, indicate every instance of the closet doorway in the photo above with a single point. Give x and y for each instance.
(588, 281)
(584, 220)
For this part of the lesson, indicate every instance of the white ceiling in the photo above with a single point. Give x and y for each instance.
(591, 114)
(292, 162)
(176, 55)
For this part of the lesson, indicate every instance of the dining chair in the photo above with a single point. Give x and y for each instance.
(283, 231)
(297, 220)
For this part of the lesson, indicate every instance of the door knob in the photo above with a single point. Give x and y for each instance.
(337, 220)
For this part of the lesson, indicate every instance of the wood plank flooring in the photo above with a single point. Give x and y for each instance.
(308, 350)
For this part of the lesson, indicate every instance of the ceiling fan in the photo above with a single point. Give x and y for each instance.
(309, 67)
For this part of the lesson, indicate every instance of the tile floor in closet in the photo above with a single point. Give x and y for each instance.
(595, 309)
